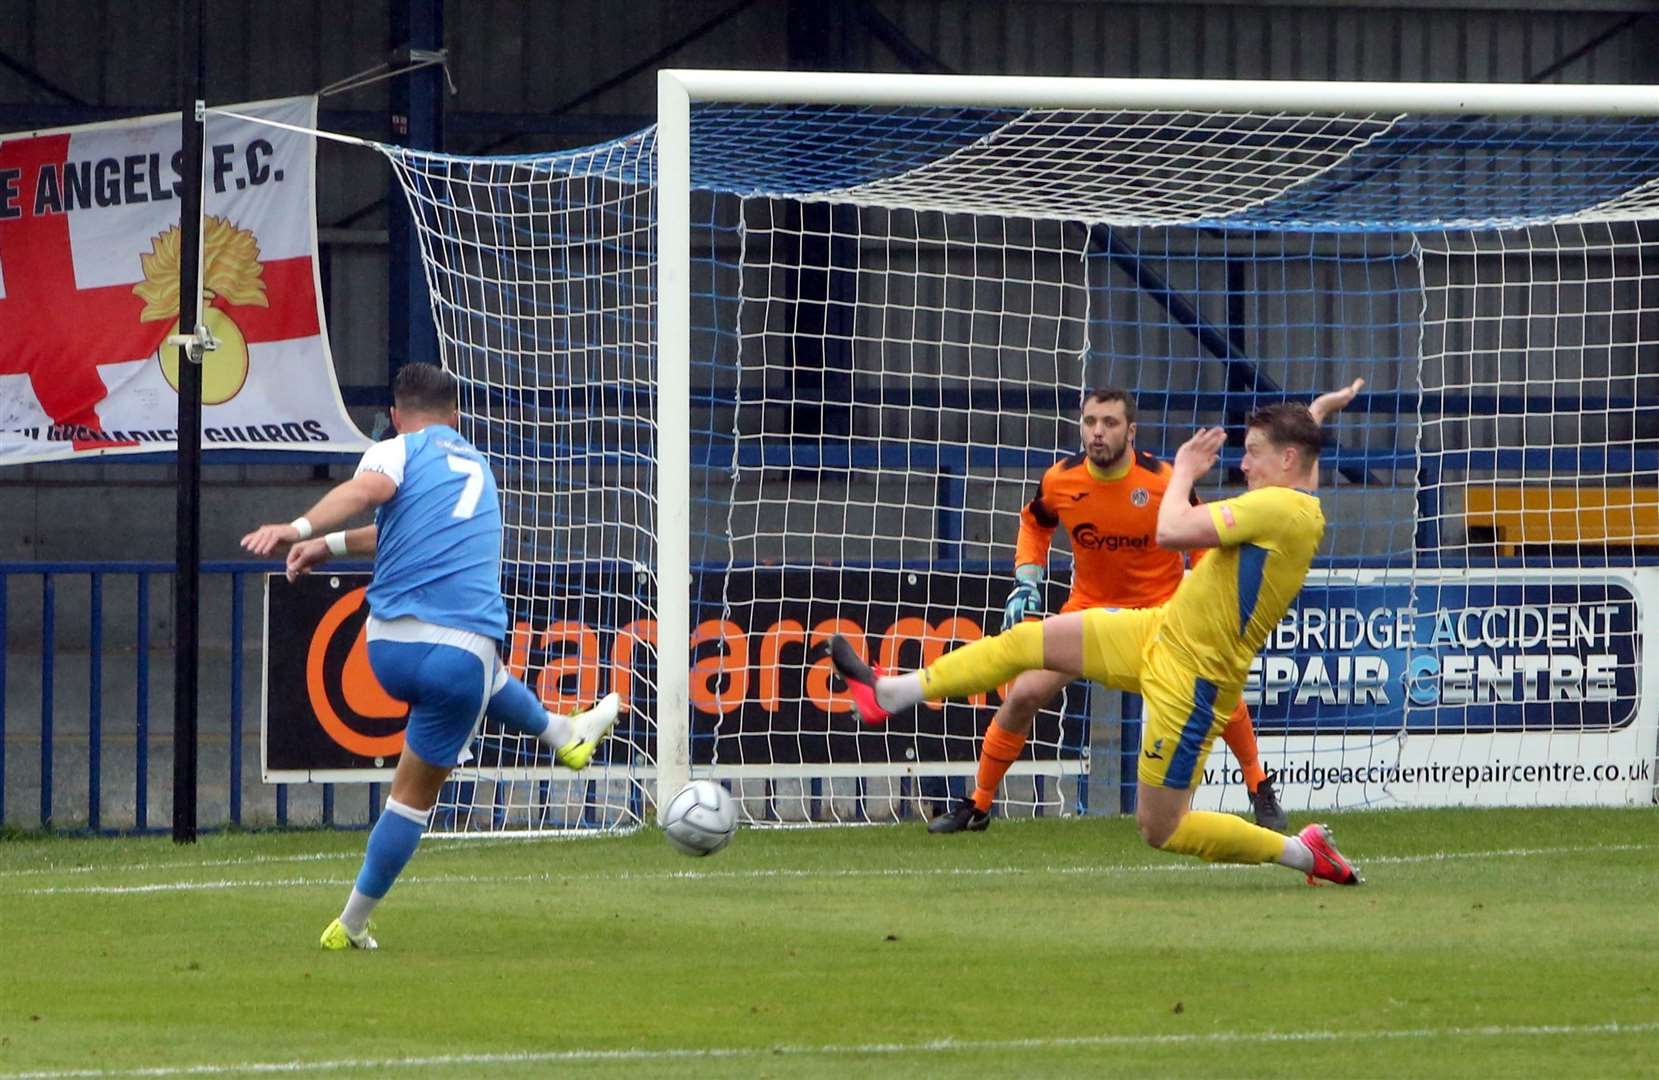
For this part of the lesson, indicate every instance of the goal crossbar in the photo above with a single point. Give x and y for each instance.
(1255, 95)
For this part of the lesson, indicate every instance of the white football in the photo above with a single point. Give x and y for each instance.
(701, 818)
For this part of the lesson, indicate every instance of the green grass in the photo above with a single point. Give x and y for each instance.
(1040, 948)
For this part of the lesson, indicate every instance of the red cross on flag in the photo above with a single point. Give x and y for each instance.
(89, 261)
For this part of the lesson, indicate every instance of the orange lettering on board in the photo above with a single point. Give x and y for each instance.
(779, 634)
(584, 664)
(518, 648)
(637, 634)
(732, 663)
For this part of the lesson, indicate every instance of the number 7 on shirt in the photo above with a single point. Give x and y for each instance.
(474, 472)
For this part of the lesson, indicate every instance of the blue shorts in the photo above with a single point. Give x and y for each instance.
(445, 682)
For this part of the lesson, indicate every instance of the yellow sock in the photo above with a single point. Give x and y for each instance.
(1224, 838)
(985, 664)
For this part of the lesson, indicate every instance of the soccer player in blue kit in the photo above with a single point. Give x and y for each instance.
(436, 617)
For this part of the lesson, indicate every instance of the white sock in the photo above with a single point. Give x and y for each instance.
(897, 692)
(1296, 855)
(559, 730)
(358, 909)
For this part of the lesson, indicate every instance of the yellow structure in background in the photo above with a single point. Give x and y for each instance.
(1537, 514)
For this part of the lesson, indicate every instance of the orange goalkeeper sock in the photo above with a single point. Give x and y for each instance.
(1240, 736)
(1002, 748)
(985, 664)
(1224, 838)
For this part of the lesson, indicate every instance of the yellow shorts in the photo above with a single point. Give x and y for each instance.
(1184, 711)
(1115, 641)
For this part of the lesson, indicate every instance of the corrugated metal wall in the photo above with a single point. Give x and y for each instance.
(534, 61)
(1436, 42)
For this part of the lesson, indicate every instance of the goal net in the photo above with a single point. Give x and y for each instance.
(780, 368)
(541, 277)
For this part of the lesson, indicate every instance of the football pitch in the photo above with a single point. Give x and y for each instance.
(1484, 943)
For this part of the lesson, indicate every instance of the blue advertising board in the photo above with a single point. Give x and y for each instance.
(1477, 655)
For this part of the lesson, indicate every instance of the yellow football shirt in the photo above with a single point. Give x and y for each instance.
(1222, 614)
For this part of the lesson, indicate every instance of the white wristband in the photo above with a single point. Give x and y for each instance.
(336, 542)
(302, 526)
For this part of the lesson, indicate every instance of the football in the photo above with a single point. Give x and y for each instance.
(701, 818)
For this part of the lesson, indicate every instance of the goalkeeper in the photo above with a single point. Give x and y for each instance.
(1107, 498)
(1187, 658)
(436, 614)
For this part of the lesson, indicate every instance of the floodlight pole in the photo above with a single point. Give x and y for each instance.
(187, 576)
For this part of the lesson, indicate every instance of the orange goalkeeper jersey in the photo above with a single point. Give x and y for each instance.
(1113, 525)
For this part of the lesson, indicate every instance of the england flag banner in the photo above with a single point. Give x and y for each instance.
(89, 280)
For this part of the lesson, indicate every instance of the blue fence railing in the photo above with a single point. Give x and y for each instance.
(120, 648)
(99, 619)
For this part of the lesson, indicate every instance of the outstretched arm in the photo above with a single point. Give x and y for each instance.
(356, 496)
(1181, 525)
(1327, 405)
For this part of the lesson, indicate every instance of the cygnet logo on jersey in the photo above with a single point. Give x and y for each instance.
(1492, 655)
(1088, 535)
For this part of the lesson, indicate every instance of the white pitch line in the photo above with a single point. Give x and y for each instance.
(453, 847)
(431, 847)
(932, 1046)
(1106, 870)
(179, 886)
(244, 860)
(1503, 853)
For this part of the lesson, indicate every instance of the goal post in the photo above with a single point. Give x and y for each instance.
(673, 147)
(678, 88)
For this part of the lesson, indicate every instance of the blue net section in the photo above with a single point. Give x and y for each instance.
(1284, 172)
(1339, 173)
(774, 149)
(1470, 172)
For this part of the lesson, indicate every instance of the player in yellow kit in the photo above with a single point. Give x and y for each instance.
(1188, 658)
(1106, 499)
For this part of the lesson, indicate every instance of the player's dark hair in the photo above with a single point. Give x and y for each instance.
(1113, 393)
(424, 388)
(1289, 423)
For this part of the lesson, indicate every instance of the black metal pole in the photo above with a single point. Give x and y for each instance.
(417, 116)
(187, 580)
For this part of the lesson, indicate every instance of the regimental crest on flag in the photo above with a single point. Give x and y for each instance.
(230, 271)
(1140, 497)
(90, 251)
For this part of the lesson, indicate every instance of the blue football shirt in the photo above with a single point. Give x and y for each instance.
(438, 553)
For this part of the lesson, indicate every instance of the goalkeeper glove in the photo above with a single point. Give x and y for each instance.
(1026, 599)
